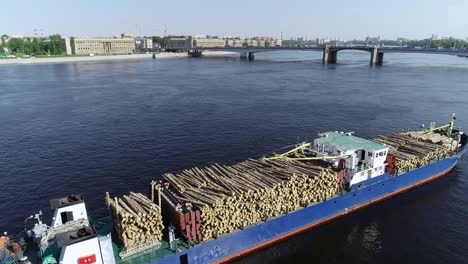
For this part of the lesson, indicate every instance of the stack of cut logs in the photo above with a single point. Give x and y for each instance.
(137, 220)
(414, 149)
(432, 137)
(236, 196)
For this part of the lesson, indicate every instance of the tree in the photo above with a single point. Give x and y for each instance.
(27, 46)
(16, 45)
(448, 43)
(162, 41)
(56, 44)
(36, 47)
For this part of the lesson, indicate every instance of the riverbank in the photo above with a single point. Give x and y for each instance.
(163, 55)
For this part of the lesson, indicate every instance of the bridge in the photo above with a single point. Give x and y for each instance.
(330, 53)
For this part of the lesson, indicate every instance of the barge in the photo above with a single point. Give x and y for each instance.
(219, 213)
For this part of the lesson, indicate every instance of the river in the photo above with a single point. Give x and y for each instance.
(92, 127)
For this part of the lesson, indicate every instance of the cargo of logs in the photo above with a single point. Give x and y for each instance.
(415, 149)
(236, 196)
(136, 219)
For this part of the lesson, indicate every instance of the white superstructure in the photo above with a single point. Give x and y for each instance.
(364, 159)
(71, 232)
(68, 209)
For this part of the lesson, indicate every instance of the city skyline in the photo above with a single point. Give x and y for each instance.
(331, 19)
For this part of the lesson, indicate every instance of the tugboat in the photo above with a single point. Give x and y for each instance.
(70, 237)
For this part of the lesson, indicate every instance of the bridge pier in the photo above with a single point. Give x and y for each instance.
(251, 56)
(195, 53)
(329, 55)
(376, 56)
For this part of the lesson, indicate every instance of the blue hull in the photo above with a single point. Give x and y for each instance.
(265, 234)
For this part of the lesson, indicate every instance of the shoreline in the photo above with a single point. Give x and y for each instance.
(162, 55)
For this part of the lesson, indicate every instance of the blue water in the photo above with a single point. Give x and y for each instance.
(92, 127)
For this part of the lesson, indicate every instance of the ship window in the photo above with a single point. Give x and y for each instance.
(385, 152)
(66, 217)
(369, 154)
(380, 154)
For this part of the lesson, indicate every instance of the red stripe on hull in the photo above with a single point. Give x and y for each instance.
(281, 238)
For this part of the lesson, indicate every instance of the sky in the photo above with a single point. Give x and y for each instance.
(346, 19)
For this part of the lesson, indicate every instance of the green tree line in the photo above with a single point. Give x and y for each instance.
(448, 43)
(52, 45)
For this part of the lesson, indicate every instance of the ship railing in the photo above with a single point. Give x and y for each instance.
(140, 248)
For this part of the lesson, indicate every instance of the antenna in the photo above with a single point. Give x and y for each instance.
(165, 30)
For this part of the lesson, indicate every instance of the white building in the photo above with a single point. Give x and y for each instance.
(99, 46)
(144, 43)
(148, 43)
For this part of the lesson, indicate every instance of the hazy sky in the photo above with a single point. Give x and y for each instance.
(347, 19)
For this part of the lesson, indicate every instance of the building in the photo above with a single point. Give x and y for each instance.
(99, 46)
(144, 44)
(192, 42)
(278, 42)
(251, 42)
(4, 39)
(372, 41)
(208, 42)
(148, 43)
(67, 46)
(179, 43)
(126, 36)
(261, 43)
(139, 43)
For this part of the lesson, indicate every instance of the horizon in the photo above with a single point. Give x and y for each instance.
(296, 18)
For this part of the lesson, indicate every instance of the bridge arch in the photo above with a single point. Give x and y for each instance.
(330, 54)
